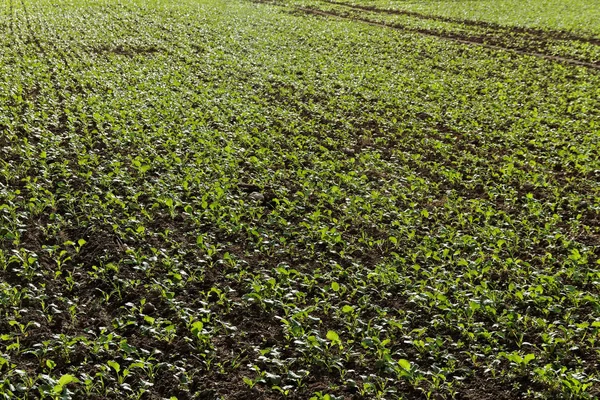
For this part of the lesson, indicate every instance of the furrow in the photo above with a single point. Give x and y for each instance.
(457, 38)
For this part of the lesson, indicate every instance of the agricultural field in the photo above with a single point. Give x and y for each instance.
(299, 199)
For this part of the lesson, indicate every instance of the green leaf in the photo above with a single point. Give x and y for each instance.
(347, 309)
(335, 286)
(115, 365)
(198, 325)
(293, 375)
(149, 319)
(66, 379)
(514, 357)
(333, 337)
(197, 328)
(404, 364)
(126, 347)
(528, 358)
(50, 364)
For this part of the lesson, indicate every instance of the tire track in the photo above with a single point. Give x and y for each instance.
(51, 67)
(71, 61)
(18, 34)
(551, 43)
(36, 41)
(13, 36)
(533, 32)
(12, 52)
(124, 25)
(72, 136)
(67, 59)
(454, 37)
(4, 135)
(11, 22)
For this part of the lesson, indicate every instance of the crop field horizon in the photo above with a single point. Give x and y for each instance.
(299, 199)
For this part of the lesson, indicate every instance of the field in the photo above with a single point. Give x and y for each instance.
(384, 199)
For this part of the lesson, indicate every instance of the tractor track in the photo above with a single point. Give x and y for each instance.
(52, 67)
(532, 32)
(11, 12)
(454, 37)
(56, 60)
